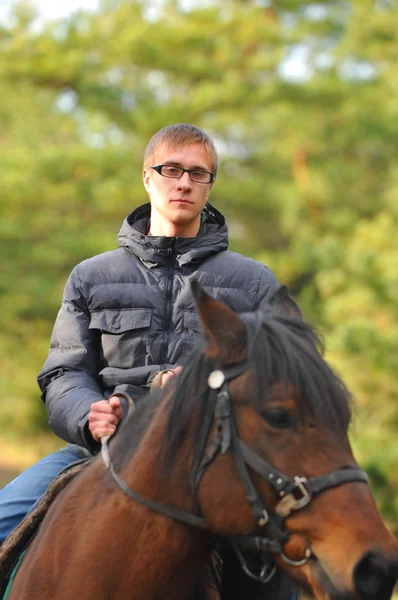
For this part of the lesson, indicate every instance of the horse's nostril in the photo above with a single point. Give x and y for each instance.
(375, 575)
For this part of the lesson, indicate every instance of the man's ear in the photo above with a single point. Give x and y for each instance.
(146, 176)
(282, 303)
(224, 330)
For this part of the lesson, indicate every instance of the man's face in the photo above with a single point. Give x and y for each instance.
(176, 204)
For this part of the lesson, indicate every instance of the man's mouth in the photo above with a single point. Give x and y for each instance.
(181, 201)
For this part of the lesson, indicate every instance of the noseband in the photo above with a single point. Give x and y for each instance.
(293, 494)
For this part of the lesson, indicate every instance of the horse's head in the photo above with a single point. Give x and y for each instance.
(273, 442)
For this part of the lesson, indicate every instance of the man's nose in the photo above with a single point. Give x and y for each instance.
(185, 180)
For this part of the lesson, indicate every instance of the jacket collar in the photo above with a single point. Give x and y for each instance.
(212, 238)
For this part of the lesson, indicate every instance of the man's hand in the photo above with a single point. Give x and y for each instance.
(103, 417)
(169, 374)
(162, 377)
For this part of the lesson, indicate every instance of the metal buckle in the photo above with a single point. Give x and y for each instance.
(305, 498)
(292, 502)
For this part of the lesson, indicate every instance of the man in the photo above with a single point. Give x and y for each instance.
(127, 316)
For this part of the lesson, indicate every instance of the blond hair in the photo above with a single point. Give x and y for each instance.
(181, 134)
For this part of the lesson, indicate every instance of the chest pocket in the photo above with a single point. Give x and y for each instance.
(124, 336)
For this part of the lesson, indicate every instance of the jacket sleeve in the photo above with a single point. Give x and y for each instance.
(267, 284)
(69, 378)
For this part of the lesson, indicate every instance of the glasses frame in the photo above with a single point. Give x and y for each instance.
(158, 169)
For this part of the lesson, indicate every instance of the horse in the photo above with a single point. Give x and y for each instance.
(246, 450)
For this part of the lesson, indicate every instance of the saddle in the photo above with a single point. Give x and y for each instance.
(18, 541)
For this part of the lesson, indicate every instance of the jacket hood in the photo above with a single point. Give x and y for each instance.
(212, 238)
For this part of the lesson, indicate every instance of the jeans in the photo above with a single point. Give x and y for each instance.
(20, 495)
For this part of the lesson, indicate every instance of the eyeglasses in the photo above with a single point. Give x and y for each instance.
(195, 175)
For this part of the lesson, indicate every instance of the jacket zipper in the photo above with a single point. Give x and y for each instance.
(169, 298)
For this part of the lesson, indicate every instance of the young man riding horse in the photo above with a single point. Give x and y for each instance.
(128, 315)
(246, 450)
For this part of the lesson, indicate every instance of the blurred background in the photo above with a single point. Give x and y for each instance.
(302, 100)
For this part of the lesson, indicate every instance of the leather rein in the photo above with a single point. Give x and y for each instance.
(293, 494)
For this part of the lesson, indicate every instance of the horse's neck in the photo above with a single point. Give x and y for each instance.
(180, 551)
(148, 475)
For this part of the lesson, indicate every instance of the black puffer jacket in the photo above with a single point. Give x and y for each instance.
(129, 313)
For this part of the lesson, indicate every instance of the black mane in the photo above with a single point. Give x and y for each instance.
(280, 349)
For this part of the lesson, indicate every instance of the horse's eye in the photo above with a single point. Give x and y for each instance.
(278, 418)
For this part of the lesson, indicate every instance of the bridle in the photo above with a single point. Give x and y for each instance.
(293, 494)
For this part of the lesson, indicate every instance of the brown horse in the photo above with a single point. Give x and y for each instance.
(255, 425)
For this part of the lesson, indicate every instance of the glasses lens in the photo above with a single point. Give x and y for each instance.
(169, 171)
(200, 176)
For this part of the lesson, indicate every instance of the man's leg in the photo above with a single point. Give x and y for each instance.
(20, 495)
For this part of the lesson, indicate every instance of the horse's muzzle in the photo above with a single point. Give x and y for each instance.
(375, 576)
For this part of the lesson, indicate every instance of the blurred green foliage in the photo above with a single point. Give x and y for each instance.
(302, 100)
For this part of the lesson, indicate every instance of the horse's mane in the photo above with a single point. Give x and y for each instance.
(279, 349)
(133, 428)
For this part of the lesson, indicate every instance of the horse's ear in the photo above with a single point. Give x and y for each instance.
(282, 303)
(224, 330)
